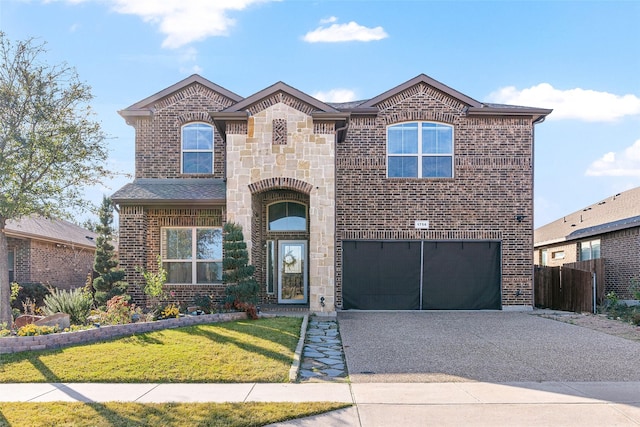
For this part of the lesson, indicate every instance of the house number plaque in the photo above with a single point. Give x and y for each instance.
(422, 224)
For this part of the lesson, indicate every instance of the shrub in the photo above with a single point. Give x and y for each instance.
(242, 289)
(634, 288)
(110, 280)
(154, 282)
(635, 319)
(119, 311)
(76, 303)
(170, 311)
(203, 302)
(4, 331)
(32, 330)
(33, 292)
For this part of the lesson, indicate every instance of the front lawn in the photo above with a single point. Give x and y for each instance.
(157, 414)
(234, 352)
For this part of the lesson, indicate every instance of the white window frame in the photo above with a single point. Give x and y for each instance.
(590, 243)
(420, 155)
(195, 150)
(193, 260)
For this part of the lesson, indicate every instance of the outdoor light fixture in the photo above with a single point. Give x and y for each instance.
(519, 217)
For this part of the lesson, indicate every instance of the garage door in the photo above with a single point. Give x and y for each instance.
(421, 275)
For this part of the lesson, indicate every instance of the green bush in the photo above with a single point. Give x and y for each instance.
(635, 319)
(76, 303)
(30, 292)
(241, 288)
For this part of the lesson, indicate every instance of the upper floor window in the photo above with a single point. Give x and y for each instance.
(287, 216)
(590, 250)
(420, 150)
(197, 148)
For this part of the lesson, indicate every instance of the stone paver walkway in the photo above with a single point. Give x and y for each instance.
(322, 355)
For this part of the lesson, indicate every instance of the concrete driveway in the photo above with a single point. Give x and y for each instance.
(480, 346)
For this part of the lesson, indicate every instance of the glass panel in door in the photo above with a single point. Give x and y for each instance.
(292, 272)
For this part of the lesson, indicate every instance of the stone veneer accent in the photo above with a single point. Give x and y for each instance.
(309, 159)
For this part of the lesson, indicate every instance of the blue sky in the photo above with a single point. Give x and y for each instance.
(581, 58)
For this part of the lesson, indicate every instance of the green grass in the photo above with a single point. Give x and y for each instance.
(235, 352)
(166, 414)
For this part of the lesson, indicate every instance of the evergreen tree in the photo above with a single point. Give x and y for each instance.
(109, 282)
(242, 289)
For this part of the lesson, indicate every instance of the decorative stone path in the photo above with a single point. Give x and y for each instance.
(322, 355)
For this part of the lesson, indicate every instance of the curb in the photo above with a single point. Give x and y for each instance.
(297, 356)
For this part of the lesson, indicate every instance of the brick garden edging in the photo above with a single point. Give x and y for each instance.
(45, 342)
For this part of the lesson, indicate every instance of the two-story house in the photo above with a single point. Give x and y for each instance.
(418, 198)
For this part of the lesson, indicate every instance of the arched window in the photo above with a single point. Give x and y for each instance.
(287, 216)
(197, 148)
(420, 150)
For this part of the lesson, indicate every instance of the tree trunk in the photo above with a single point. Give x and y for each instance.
(6, 316)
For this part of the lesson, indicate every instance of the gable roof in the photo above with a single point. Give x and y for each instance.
(172, 191)
(246, 103)
(51, 230)
(144, 108)
(473, 107)
(422, 78)
(616, 212)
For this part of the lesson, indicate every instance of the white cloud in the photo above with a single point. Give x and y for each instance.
(626, 163)
(184, 21)
(329, 20)
(344, 32)
(336, 95)
(581, 104)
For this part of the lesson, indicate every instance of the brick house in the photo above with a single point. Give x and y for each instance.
(419, 198)
(50, 251)
(608, 229)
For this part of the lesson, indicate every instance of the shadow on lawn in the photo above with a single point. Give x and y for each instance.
(281, 336)
(100, 408)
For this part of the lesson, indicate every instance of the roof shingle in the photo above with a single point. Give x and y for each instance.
(613, 213)
(183, 190)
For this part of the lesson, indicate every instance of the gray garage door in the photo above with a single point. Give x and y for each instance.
(421, 275)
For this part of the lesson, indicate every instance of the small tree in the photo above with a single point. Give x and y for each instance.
(242, 289)
(109, 282)
(50, 146)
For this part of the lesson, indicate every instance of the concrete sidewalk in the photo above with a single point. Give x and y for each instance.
(386, 404)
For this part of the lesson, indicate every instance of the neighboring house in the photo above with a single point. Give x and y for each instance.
(419, 198)
(49, 251)
(609, 229)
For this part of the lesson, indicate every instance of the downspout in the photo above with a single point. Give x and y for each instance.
(335, 222)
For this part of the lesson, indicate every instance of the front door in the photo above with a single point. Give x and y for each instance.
(292, 272)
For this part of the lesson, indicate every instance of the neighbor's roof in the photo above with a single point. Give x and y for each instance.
(52, 230)
(613, 213)
(172, 191)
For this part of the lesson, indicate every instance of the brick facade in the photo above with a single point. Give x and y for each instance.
(282, 145)
(63, 266)
(620, 250)
(492, 184)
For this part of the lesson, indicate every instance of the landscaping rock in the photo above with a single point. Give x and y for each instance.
(25, 319)
(61, 320)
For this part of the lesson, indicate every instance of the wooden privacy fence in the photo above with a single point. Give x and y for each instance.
(564, 288)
